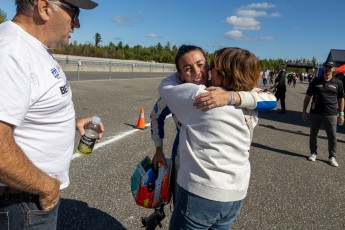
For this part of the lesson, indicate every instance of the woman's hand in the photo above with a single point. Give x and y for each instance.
(158, 157)
(215, 97)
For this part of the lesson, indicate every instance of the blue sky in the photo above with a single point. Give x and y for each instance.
(292, 29)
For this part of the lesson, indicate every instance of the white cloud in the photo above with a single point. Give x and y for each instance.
(240, 23)
(245, 19)
(153, 36)
(263, 5)
(251, 13)
(256, 14)
(123, 21)
(276, 14)
(267, 38)
(238, 35)
(235, 35)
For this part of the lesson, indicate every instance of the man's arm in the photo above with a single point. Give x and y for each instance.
(274, 86)
(305, 106)
(341, 110)
(341, 104)
(17, 171)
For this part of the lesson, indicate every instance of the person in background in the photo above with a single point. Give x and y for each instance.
(327, 106)
(271, 78)
(266, 74)
(280, 88)
(198, 73)
(37, 116)
(214, 145)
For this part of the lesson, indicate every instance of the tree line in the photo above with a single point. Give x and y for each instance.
(156, 53)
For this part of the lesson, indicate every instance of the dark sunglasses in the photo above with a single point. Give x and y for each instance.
(71, 10)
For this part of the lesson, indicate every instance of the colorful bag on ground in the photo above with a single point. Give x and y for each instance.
(150, 188)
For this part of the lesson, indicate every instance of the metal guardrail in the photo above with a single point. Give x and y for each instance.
(87, 69)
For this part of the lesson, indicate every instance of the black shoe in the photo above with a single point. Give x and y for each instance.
(282, 112)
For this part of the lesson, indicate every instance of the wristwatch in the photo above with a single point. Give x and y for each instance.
(233, 99)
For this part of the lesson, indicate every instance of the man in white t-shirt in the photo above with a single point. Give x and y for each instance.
(37, 117)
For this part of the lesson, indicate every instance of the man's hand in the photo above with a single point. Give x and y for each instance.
(341, 119)
(81, 122)
(215, 97)
(18, 172)
(51, 197)
(304, 116)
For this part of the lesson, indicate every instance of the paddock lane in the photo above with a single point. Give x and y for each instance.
(286, 191)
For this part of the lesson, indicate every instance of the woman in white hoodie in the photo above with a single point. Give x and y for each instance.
(214, 160)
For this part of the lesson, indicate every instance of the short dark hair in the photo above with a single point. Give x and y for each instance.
(25, 6)
(186, 49)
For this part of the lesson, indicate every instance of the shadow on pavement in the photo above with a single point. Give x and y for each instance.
(277, 150)
(74, 214)
(290, 117)
(293, 118)
(281, 151)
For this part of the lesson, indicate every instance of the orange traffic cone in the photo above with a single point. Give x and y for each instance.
(141, 120)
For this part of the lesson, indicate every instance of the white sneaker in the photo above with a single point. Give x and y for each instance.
(333, 162)
(312, 157)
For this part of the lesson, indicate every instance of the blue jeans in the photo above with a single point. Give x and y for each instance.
(25, 213)
(194, 212)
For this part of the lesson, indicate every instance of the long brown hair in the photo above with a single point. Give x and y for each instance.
(238, 69)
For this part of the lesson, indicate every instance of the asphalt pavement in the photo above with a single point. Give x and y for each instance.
(286, 191)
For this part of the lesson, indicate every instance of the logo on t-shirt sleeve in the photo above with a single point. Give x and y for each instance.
(64, 89)
(55, 73)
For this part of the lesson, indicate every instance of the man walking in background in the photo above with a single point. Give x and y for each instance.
(327, 95)
(280, 87)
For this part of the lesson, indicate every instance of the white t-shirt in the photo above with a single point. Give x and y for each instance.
(36, 98)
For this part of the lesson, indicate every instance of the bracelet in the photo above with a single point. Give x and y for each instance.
(233, 99)
(341, 113)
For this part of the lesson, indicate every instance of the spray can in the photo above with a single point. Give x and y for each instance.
(88, 140)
